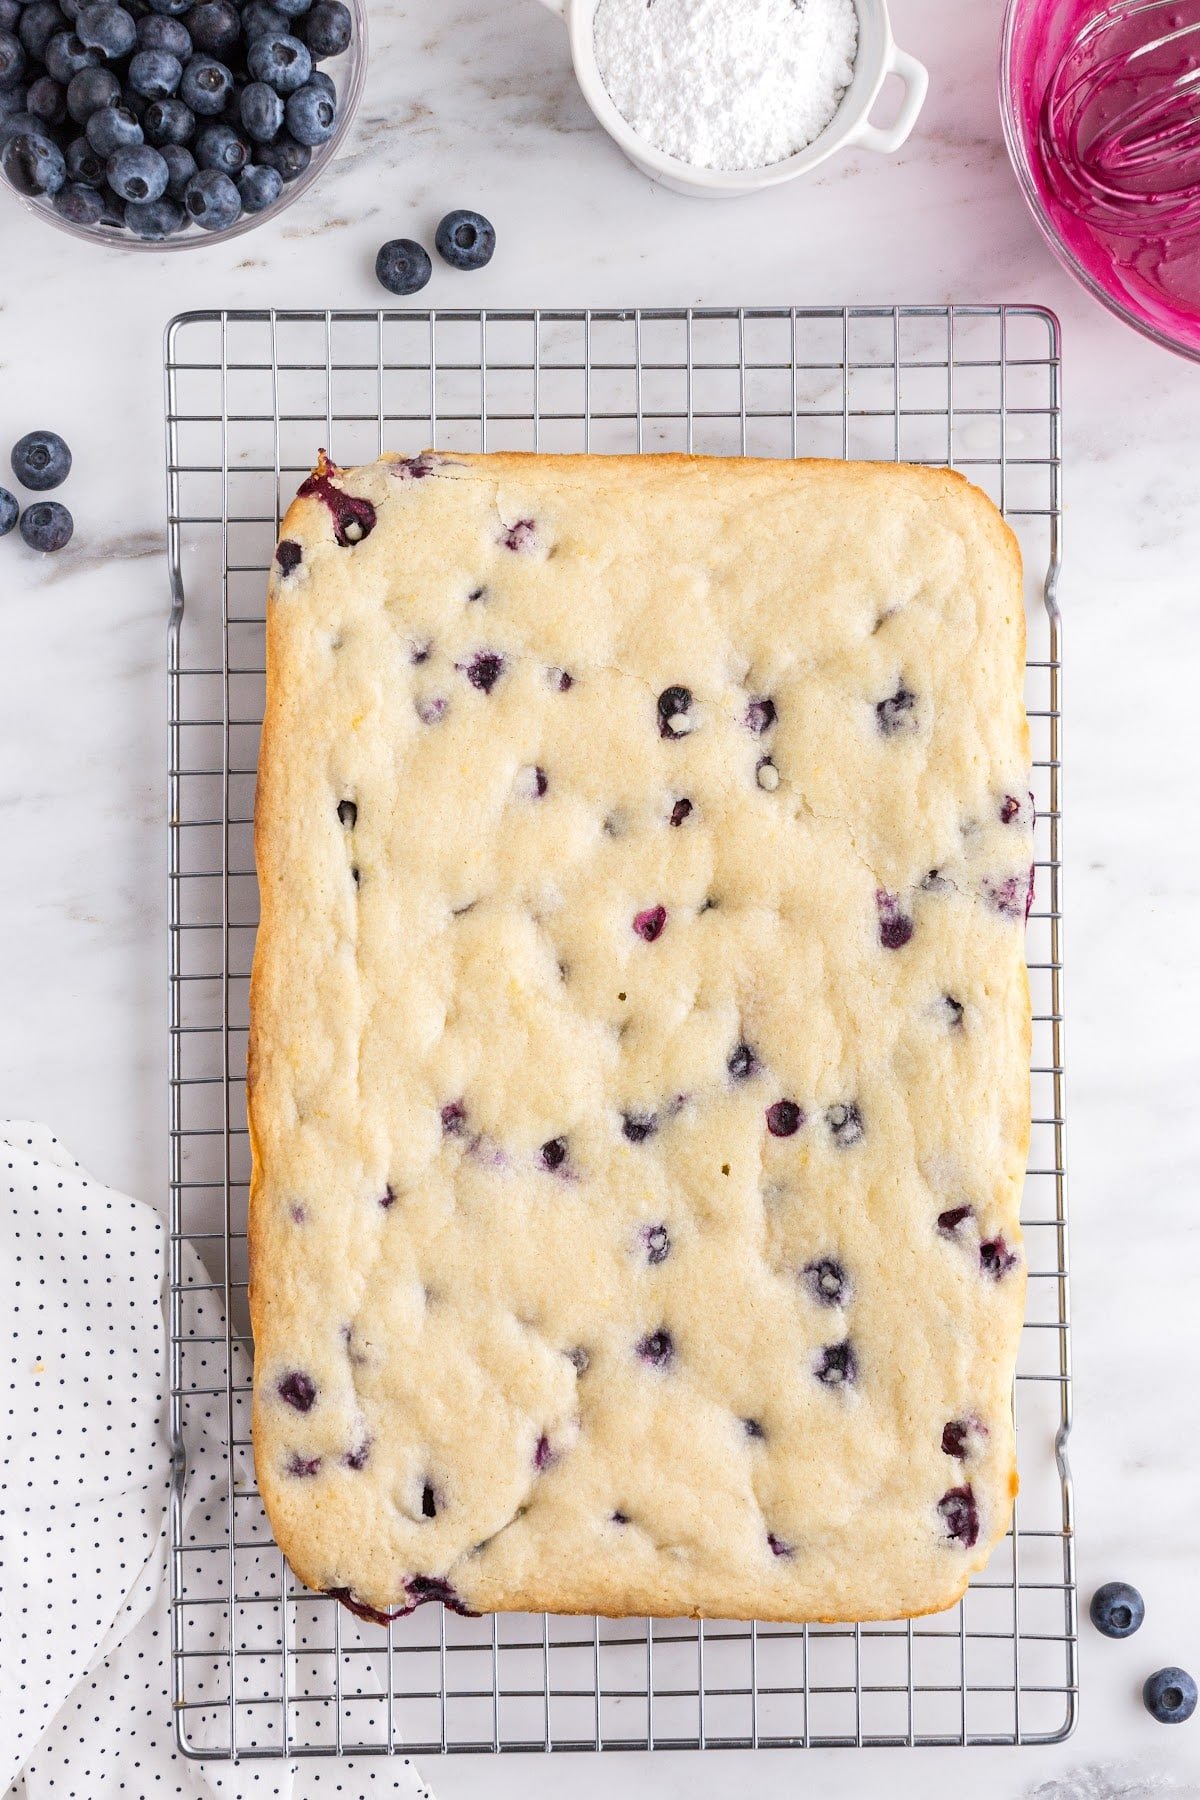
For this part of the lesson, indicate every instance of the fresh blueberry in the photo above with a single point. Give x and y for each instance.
(846, 1125)
(1170, 1696)
(949, 1221)
(12, 102)
(107, 28)
(168, 122)
(65, 56)
(169, 35)
(996, 1259)
(89, 91)
(657, 1347)
(311, 115)
(155, 74)
(784, 1118)
(328, 29)
(286, 156)
(402, 266)
(39, 23)
(41, 460)
(19, 124)
(742, 1062)
(650, 924)
(78, 204)
(137, 173)
(212, 200)
(466, 240)
(205, 86)
(181, 166)
(674, 704)
(836, 1365)
(897, 713)
(1117, 1609)
(637, 1127)
(681, 810)
(299, 1390)
(553, 1153)
(214, 26)
(9, 512)
(12, 59)
(259, 18)
(262, 112)
(960, 1515)
(657, 1242)
(84, 167)
(280, 60)
(827, 1281)
(171, 8)
(220, 147)
(46, 525)
(10, 15)
(113, 128)
(47, 101)
(154, 220)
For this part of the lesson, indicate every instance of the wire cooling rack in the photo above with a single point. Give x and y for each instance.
(261, 1667)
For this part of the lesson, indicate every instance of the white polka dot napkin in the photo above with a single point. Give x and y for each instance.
(85, 1700)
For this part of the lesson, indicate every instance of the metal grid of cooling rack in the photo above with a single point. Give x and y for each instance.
(261, 1667)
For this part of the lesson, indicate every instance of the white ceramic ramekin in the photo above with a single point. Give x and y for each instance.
(878, 57)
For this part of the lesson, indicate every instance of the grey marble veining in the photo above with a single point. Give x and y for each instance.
(471, 102)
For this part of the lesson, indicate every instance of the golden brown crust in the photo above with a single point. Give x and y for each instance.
(332, 1121)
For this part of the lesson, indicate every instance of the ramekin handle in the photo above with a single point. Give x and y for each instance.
(888, 138)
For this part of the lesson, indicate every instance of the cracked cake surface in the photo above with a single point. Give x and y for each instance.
(639, 1052)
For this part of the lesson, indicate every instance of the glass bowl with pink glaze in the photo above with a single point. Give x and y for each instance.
(1101, 107)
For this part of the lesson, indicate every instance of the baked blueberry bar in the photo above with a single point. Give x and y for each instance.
(639, 1061)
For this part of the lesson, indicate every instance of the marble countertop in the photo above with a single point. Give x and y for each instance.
(473, 102)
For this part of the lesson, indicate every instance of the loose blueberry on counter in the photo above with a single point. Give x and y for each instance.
(107, 28)
(897, 713)
(960, 1515)
(553, 1153)
(88, 91)
(996, 1259)
(637, 1127)
(742, 1062)
(40, 460)
(657, 1348)
(47, 526)
(895, 926)
(213, 200)
(9, 512)
(674, 705)
(1169, 1696)
(466, 240)
(846, 1124)
(328, 28)
(656, 1240)
(299, 1390)
(651, 923)
(1117, 1610)
(81, 205)
(113, 128)
(137, 173)
(784, 1118)
(837, 1365)
(33, 162)
(949, 1221)
(402, 266)
(828, 1283)
(760, 716)
(681, 810)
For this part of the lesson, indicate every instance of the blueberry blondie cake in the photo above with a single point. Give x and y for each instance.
(640, 1034)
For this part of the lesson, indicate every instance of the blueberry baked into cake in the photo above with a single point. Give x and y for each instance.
(640, 1036)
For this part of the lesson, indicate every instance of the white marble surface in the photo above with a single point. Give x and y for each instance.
(472, 102)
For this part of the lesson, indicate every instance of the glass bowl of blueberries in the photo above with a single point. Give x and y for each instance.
(160, 124)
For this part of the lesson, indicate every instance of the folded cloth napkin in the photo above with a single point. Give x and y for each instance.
(85, 1691)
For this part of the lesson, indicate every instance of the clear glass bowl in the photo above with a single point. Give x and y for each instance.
(1149, 277)
(348, 71)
